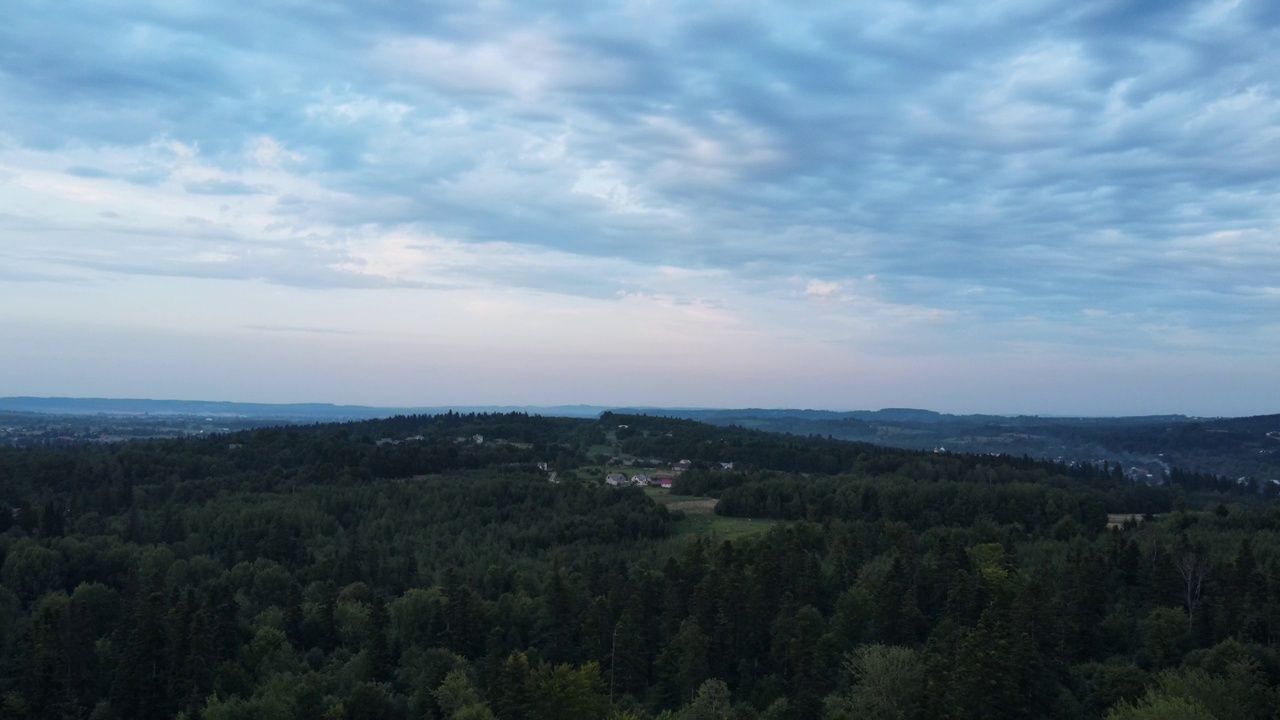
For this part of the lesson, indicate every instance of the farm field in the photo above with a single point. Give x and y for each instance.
(724, 528)
(700, 518)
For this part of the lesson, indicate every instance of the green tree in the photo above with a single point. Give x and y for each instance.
(31, 570)
(684, 662)
(886, 682)
(712, 702)
(376, 647)
(1164, 636)
(567, 692)
(1157, 706)
(139, 688)
(458, 699)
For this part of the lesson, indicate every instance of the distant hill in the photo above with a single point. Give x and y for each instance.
(295, 411)
(1152, 444)
(885, 415)
(1228, 446)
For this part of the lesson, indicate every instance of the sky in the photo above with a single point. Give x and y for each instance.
(1041, 206)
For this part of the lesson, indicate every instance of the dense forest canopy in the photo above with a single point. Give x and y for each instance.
(477, 566)
(1226, 446)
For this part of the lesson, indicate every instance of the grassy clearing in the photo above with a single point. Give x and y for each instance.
(718, 528)
(701, 506)
(700, 518)
(665, 497)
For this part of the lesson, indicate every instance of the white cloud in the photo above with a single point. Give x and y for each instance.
(526, 64)
(821, 288)
(869, 181)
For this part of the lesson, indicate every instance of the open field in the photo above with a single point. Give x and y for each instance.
(700, 518)
(701, 506)
(716, 527)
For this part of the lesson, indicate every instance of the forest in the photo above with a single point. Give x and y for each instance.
(1226, 446)
(472, 566)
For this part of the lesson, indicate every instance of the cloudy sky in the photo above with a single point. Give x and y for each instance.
(1041, 206)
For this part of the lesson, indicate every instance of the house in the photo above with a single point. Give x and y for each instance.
(544, 467)
(640, 480)
(726, 466)
(387, 441)
(615, 479)
(664, 481)
(683, 465)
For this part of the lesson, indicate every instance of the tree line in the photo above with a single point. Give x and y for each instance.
(312, 572)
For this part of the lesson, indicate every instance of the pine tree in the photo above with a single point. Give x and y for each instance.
(140, 685)
(376, 647)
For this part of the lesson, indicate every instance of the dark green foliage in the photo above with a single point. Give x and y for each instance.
(315, 573)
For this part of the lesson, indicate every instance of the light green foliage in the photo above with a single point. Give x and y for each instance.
(1160, 707)
(989, 562)
(30, 569)
(274, 702)
(887, 682)
(458, 699)
(352, 619)
(269, 652)
(712, 702)
(474, 712)
(1237, 691)
(1231, 686)
(565, 691)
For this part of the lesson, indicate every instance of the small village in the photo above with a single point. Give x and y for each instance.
(651, 477)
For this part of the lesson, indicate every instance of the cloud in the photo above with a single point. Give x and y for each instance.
(298, 329)
(215, 186)
(1004, 171)
(525, 64)
(821, 288)
(88, 172)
